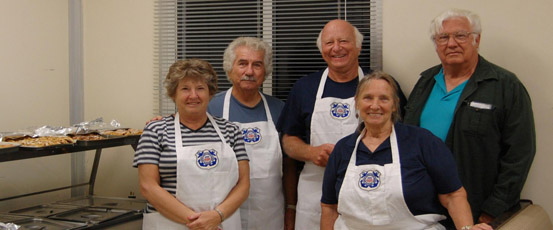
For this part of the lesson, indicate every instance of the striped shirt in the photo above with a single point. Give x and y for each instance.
(157, 146)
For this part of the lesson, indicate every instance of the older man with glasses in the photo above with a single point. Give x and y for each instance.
(481, 111)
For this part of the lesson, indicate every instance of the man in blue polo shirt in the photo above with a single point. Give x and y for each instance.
(440, 106)
(319, 111)
(247, 62)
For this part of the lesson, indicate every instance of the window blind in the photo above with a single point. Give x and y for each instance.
(203, 29)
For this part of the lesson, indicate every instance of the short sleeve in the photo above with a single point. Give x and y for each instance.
(329, 180)
(290, 121)
(440, 164)
(238, 145)
(148, 150)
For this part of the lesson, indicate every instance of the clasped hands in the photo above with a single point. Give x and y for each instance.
(207, 220)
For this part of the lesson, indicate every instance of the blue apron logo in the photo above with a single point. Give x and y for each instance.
(369, 179)
(207, 159)
(252, 135)
(339, 110)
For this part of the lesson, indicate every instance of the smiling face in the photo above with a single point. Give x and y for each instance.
(453, 52)
(192, 97)
(338, 46)
(375, 103)
(248, 69)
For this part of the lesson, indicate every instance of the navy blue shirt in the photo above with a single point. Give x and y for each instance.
(427, 167)
(295, 119)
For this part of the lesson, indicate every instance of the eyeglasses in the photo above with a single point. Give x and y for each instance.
(460, 37)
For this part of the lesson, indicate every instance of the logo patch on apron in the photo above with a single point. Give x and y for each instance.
(369, 179)
(207, 159)
(252, 135)
(339, 110)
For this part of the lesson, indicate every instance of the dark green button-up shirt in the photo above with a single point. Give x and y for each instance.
(492, 135)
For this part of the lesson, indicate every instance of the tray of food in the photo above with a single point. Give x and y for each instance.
(9, 147)
(95, 139)
(122, 132)
(40, 143)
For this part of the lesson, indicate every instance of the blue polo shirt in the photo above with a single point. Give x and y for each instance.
(427, 167)
(239, 112)
(439, 110)
(295, 119)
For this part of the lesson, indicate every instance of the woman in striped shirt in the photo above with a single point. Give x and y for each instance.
(198, 178)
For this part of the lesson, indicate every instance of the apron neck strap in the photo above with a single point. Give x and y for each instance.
(321, 88)
(226, 105)
(393, 146)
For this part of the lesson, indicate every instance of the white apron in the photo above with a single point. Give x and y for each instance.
(205, 176)
(332, 119)
(264, 208)
(371, 197)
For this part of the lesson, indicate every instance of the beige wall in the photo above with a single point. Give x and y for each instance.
(34, 90)
(118, 70)
(516, 35)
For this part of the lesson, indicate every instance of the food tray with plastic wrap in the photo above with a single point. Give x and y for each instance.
(96, 140)
(122, 132)
(8, 147)
(40, 143)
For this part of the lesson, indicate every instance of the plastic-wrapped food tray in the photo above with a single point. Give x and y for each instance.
(9, 147)
(101, 142)
(48, 147)
(41, 143)
(122, 132)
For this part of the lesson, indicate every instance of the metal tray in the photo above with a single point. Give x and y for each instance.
(40, 223)
(18, 139)
(48, 147)
(108, 202)
(107, 133)
(44, 210)
(6, 218)
(109, 140)
(91, 215)
(14, 147)
(131, 221)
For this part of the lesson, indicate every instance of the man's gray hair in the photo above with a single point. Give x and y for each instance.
(250, 42)
(437, 23)
(358, 38)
